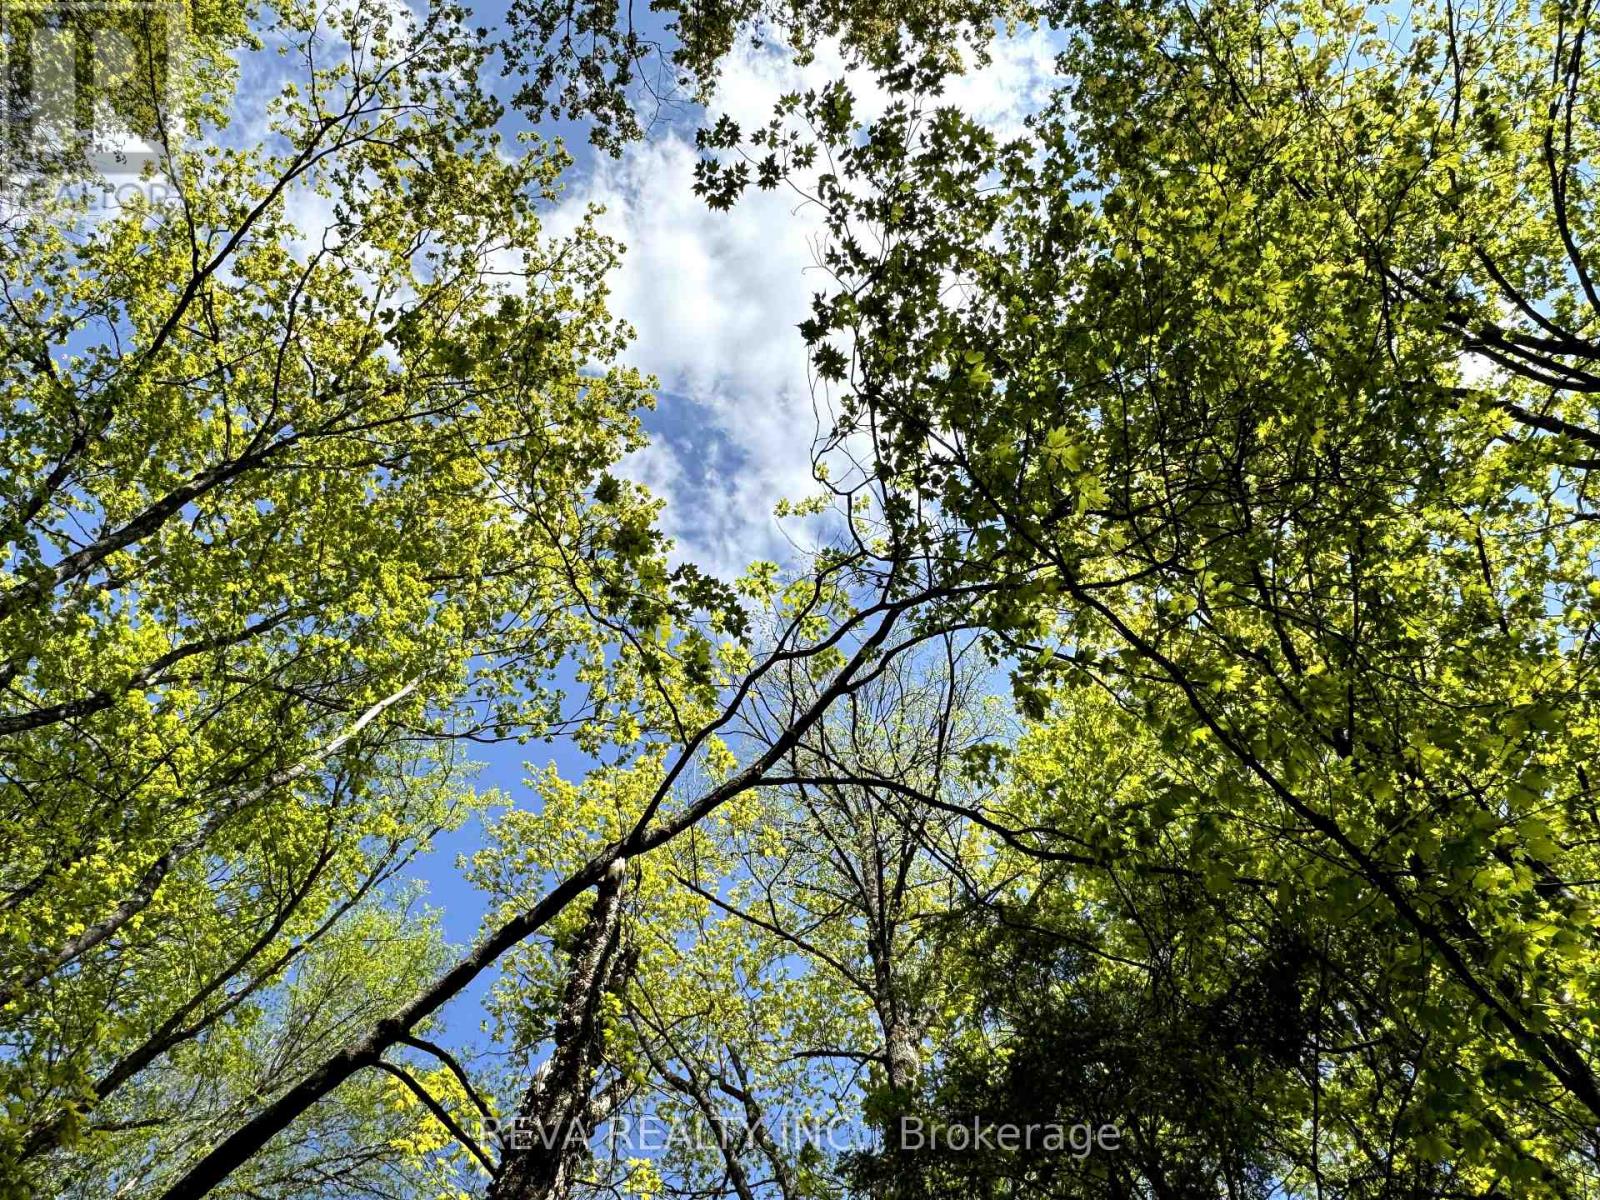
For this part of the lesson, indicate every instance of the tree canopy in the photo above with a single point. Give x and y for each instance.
(1179, 733)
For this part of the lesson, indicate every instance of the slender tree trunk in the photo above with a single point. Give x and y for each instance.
(553, 1123)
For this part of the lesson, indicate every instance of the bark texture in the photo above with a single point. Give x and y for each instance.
(549, 1139)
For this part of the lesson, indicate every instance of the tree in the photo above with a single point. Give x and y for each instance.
(1177, 405)
(1236, 1044)
(834, 903)
(1350, 588)
(252, 485)
(289, 524)
(644, 803)
(590, 61)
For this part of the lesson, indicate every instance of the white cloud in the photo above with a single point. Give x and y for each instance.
(716, 296)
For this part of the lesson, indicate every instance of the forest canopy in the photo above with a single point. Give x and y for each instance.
(1161, 761)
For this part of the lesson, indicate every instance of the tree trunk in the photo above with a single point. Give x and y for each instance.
(553, 1124)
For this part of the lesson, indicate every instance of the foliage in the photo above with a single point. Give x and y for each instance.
(1238, 414)
(587, 60)
(1205, 380)
(251, 487)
